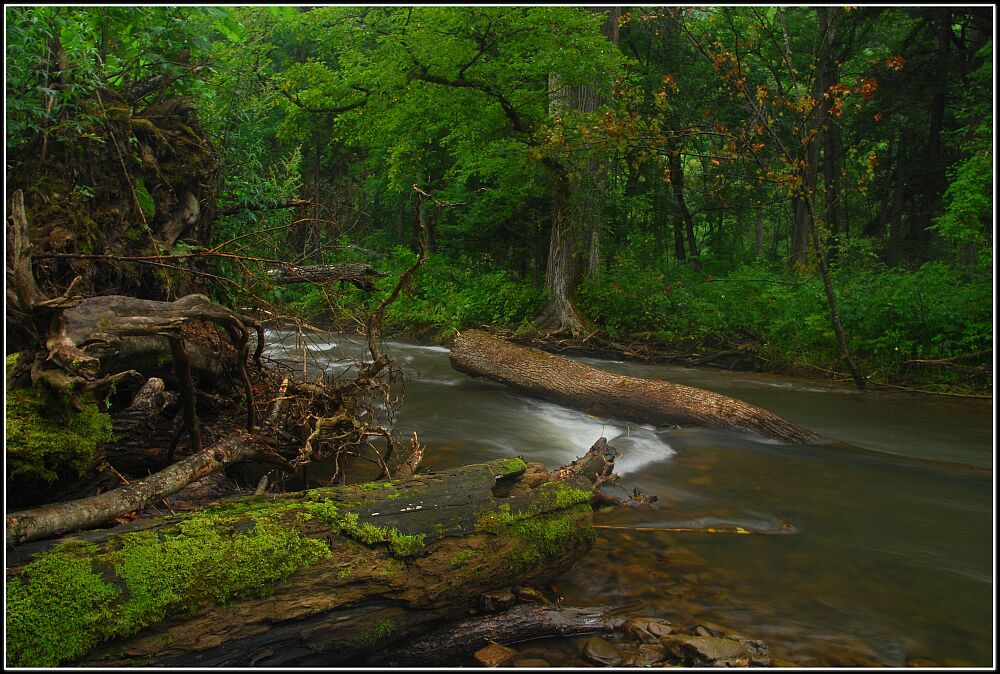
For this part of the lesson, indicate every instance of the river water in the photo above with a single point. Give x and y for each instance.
(851, 560)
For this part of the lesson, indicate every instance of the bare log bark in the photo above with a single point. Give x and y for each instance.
(448, 646)
(599, 392)
(387, 562)
(58, 518)
(360, 275)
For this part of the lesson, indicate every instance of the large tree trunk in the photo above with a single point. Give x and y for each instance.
(599, 392)
(320, 578)
(577, 215)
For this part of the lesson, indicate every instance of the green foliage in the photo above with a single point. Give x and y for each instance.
(890, 314)
(46, 437)
(445, 295)
(60, 56)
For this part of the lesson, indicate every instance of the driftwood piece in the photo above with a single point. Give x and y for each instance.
(57, 518)
(604, 393)
(455, 642)
(359, 274)
(320, 578)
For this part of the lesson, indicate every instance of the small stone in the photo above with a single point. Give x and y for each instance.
(649, 655)
(494, 655)
(599, 651)
(531, 662)
(647, 630)
(499, 600)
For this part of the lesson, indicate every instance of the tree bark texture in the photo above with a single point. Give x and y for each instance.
(457, 641)
(361, 275)
(319, 578)
(577, 215)
(603, 393)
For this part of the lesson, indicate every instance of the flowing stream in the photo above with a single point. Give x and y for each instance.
(851, 561)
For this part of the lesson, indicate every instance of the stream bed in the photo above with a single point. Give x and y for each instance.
(851, 561)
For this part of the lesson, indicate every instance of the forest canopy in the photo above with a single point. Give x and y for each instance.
(810, 185)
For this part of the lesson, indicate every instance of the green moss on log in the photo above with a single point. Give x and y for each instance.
(401, 545)
(546, 530)
(70, 599)
(46, 436)
(379, 630)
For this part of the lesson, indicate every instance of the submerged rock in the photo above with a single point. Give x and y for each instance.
(601, 652)
(702, 651)
(494, 655)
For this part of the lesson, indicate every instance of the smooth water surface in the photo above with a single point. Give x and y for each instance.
(852, 560)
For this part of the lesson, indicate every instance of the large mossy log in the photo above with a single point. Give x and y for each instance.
(599, 392)
(320, 578)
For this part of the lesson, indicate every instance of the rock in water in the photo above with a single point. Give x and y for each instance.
(715, 651)
(494, 655)
(599, 651)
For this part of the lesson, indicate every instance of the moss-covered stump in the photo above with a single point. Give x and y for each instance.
(320, 577)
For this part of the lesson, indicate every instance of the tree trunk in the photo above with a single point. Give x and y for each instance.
(562, 268)
(677, 183)
(577, 215)
(603, 393)
(828, 76)
(758, 234)
(318, 578)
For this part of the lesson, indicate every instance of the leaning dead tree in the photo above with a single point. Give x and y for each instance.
(604, 393)
(321, 577)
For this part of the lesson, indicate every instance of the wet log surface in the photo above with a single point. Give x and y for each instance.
(602, 393)
(454, 643)
(389, 562)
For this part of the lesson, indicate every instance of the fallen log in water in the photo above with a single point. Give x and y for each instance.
(456, 642)
(545, 375)
(320, 577)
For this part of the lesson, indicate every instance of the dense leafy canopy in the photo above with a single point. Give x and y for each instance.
(739, 147)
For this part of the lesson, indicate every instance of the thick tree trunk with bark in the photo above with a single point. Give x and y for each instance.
(577, 214)
(318, 578)
(603, 393)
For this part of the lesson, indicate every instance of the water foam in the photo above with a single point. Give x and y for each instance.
(574, 432)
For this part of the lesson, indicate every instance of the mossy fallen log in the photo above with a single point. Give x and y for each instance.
(319, 578)
(569, 382)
